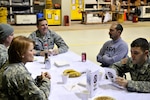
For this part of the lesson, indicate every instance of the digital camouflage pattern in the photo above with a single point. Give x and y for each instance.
(51, 39)
(149, 48)
(16, 83)
(3, 54)
(140, 75)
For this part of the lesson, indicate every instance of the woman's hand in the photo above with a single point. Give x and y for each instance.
(45, 75)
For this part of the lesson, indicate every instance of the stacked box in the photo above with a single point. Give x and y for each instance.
(3, 15)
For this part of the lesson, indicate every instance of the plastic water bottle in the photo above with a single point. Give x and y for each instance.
(46, 59)
(46, 51)
(47, 62)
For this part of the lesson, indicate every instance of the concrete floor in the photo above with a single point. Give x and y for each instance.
(90, 38)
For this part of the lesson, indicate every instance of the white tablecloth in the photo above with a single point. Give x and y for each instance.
(68, 91)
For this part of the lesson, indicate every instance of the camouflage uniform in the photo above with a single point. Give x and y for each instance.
(3, 54)
(140, 75)
(17, 84)
(149, 48)
(51, 39)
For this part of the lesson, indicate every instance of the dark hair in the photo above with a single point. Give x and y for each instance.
(119, 27)
(140, 42)
(17, 48)
(39, 20)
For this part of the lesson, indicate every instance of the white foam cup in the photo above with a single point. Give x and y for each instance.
(64, 78)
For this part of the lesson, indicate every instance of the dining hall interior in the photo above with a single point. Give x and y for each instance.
(84, 25)
(90, 38)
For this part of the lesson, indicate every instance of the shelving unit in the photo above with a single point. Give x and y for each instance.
(38, 8)
(20, 8)
(94, 11)
(97, 5)
(16, 8)
(92, 17)
(128, 4)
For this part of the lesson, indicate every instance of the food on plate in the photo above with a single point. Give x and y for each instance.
(104, 98)
(72, 73)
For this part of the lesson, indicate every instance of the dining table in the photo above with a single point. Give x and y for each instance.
(72, 90)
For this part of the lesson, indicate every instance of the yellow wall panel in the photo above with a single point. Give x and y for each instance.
(76, 7)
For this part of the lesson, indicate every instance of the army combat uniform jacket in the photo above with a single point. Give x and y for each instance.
(16, 83)
(51, 38)
(140, 75)
(3, 54)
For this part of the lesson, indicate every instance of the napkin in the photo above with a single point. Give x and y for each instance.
(61, 63)
(82, 83)
(118, 86)
(74, 87)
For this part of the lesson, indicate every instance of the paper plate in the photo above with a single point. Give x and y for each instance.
(61, 63)
(103, 98)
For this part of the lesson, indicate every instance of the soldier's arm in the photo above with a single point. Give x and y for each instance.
(28, 89)
(122, 66)
(138, 86)
(62, 46)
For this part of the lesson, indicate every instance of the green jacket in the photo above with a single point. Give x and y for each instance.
(140, 75)
(3, 54)
(16, 83)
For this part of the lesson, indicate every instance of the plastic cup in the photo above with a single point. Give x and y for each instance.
(64, 78)
(84, 95)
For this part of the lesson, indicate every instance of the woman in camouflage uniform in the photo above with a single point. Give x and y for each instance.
(16, 81)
